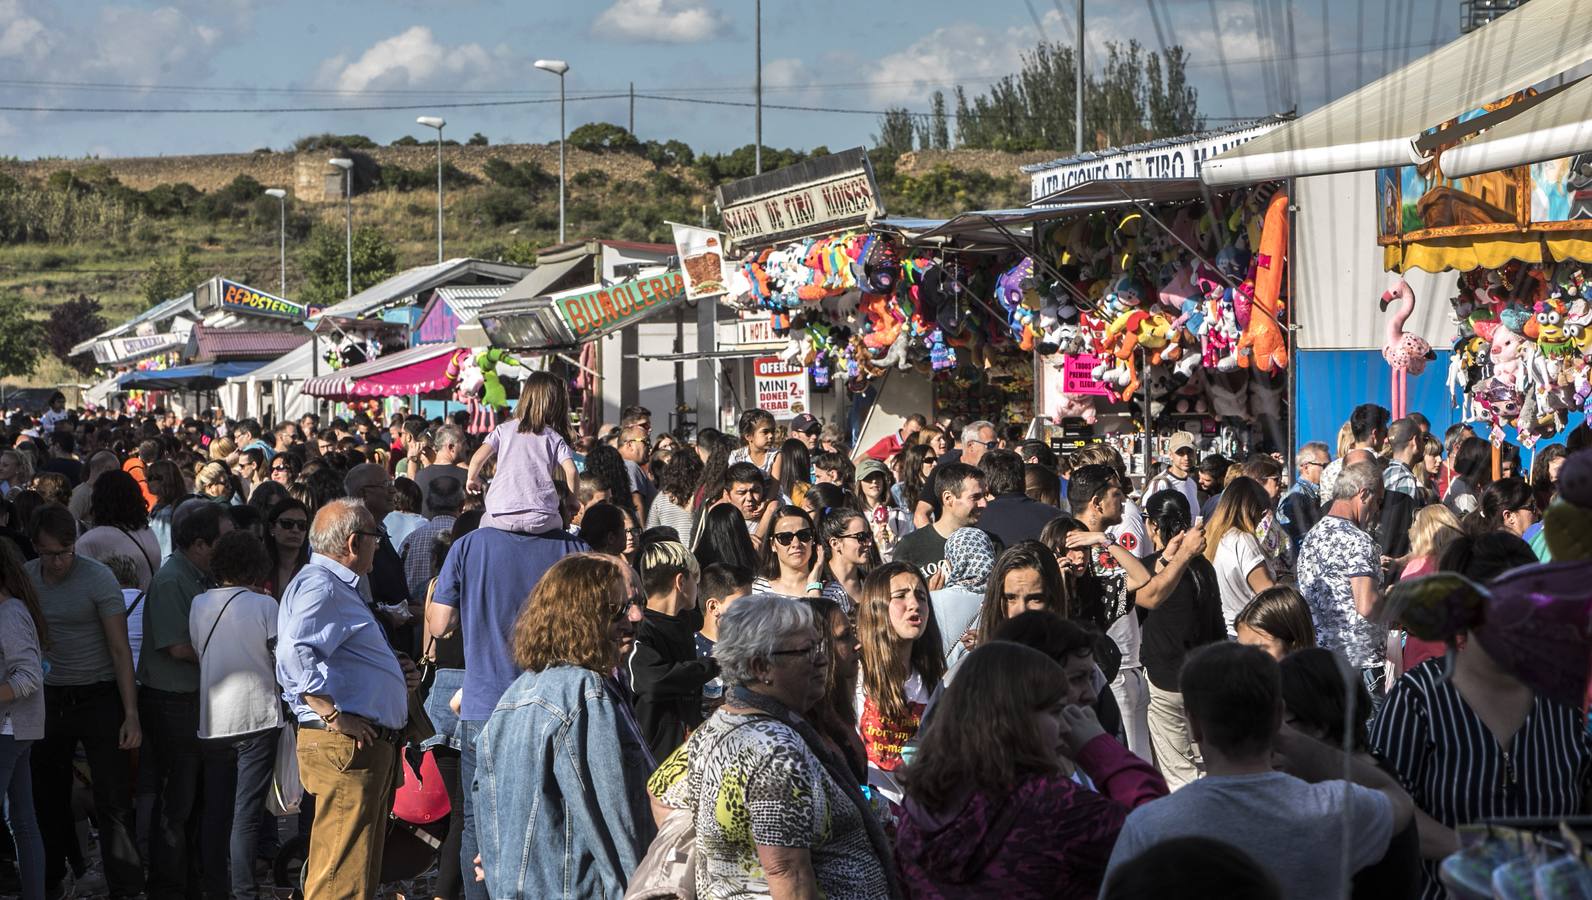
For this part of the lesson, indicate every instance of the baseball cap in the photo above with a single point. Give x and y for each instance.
(871, 467)
(1180, 440)
(805, 424)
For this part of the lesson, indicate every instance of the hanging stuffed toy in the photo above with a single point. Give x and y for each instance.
(1406, 352)
(1264, 344)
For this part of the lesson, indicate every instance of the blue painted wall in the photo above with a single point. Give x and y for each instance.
(1333, 382)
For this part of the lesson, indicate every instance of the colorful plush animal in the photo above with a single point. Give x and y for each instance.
(1406, 352)
(1264, 344)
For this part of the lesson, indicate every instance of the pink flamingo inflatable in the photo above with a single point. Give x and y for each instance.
(1406, 352)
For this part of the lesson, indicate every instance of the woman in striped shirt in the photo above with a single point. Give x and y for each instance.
(1481, 744)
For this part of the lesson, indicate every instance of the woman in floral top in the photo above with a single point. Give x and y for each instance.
(774, 806)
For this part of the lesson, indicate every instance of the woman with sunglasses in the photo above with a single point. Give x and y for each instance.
(851, 553)
(901, 665)
(1504, 505)
(287, 527)
(164, 481)
(285, 467)
(792, 563)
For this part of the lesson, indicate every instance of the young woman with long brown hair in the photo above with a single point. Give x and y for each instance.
(1016, 791)
(1025, 577)
(901, 664)
(1232, 545)
(532, 449)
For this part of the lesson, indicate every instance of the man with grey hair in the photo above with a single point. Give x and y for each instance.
(1340, 575)
(448, 445)
(977, 439)
(348, 692)
(1300, 507)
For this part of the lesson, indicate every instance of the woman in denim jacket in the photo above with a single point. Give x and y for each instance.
(561, 799)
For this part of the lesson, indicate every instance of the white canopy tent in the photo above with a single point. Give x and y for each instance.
(1378, 125)
(274, 391)
(1558, 126)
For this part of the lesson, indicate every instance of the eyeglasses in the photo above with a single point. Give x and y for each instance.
(624, 608)
(1318, 465)
(861, 537)
(374, 534)
(985, 443)
(642, 441)
(633, 532)
(784, 538)
(292, 524)
(814, 652)
(68, 553)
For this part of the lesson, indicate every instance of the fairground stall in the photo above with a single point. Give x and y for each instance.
(1482, 178)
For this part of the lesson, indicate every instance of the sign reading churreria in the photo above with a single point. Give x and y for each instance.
(599, 311)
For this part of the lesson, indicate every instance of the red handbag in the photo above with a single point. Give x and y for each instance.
(422, 798)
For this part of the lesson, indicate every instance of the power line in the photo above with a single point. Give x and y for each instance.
(221, 110)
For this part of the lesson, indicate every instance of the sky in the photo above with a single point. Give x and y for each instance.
(1247, 58)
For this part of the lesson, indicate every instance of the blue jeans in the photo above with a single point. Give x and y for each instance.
(237, 775)
(469, 844)
(16, 777)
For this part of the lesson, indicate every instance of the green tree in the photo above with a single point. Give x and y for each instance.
(19, 336)
(940, 130)
(1136, 96)
(895, 131)
(478, 140)
(604, 137)
(70, 324)
(327, 141)
(324, 263)
(169, 277)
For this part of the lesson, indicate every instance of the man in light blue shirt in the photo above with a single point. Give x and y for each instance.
(349, 692)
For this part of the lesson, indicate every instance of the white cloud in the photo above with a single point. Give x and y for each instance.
(21, 35)
(414, 58)
(667, 21)
(151, 46)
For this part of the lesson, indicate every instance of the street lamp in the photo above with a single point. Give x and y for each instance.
(437, 123)
(558, 67)
(347, 165)
(281, 231)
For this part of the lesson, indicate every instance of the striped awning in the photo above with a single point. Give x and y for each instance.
(417, 370)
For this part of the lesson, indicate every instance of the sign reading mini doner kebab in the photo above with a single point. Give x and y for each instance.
(596, 312)
(813, 197)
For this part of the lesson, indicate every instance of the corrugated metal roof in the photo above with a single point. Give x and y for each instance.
(411, 282)
(467, 300)
(160, 312)
(224, 344)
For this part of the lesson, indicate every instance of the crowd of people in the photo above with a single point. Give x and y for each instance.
(954, 663)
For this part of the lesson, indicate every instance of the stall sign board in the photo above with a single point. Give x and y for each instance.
(116, 350)
(438, 325)
(756, 330)
(258, 303)
(1077, 376)
(595, 312)
(818, 196)
(781, 388)
(1165, 160)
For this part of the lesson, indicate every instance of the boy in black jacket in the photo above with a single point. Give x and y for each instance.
(665, 671)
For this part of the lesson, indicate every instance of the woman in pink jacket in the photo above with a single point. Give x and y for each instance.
(1015, 790)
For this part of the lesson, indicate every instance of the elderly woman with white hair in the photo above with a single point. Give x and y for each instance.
(776, 810)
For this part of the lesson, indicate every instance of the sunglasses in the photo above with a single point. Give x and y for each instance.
(784, 538)
(374, 534)
(930, 460)
(861, 537)
(292, 524)
(279, 468)
(624, 608)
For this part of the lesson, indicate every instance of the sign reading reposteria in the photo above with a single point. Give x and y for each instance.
(245, 298)
(817, 196)
(599, 311)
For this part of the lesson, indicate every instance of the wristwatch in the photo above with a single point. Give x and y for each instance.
(331, 717)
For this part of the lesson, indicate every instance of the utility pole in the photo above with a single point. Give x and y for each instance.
(757, 88)
(632, 109)
(1077, 111)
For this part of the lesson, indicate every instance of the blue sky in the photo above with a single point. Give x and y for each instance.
(832, 53)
